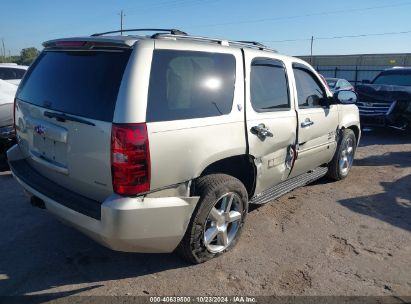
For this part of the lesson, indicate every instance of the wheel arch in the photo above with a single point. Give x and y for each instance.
(241, 167)
(356, 129)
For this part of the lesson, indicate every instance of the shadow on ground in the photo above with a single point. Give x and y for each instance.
(38, 253)
(50, 255)
(392, 206)
(384, 136)
(4, 166)
(396, 159)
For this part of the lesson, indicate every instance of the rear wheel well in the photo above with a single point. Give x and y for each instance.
(241, 167)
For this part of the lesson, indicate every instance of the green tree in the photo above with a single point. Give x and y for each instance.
(28, 55)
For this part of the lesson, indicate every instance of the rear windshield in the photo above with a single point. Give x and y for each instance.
(400, 78)
(83, 83)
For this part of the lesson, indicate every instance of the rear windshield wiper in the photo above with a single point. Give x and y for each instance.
(63, 117)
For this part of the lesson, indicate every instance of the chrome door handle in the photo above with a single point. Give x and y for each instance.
(306, 123)
(261, 131)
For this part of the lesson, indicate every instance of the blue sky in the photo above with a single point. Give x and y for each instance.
(29, 23)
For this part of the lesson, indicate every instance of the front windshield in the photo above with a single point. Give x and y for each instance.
(400, 79)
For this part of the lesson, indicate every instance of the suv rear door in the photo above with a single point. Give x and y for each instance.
(271, 118)
(64, 112)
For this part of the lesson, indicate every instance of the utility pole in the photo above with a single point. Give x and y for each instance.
(311, 56)
(4, 49)
(122, 15)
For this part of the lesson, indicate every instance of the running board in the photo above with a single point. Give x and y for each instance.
(289, 185)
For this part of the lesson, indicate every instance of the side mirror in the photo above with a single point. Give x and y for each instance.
(365, 81)
(346, 97)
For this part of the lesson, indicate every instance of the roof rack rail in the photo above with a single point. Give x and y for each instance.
(171, 31)
(190, 37)
(254, 43)
(249, 44)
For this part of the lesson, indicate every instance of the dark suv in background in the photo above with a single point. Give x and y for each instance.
(386, 101)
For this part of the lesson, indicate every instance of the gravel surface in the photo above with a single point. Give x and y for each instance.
(330, 238)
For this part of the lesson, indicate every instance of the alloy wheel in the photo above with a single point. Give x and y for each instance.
(347, 156)
(223, 222)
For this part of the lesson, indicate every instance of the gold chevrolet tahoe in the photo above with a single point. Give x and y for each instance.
(156, 143)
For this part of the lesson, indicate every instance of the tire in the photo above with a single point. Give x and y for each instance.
(4, 165)
(342, 161)
(215, 191)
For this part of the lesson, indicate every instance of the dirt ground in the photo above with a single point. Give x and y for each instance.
(330, 238)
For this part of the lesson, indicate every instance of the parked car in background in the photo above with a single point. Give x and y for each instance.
(152, 143)
(7, 134)
(11, 72)
(386, 100)
(338, 84)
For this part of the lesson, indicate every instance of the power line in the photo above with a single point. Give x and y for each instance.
(339, 37)
(364, 35)
(305, 15)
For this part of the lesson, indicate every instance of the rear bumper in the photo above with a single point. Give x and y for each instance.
(139, 224)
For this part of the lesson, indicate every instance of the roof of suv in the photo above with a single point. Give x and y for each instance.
(397, 69)
(108, 39)
(130, 40)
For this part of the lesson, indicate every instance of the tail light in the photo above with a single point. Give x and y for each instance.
(130, 159)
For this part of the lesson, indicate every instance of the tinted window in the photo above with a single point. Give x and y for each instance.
(80, 83)
(344, 84)
(310, 93)
(10, 73)
(185, 84)
(269, 87)
(20, 73)
(332, 83)
(5, 73)
(397, 78)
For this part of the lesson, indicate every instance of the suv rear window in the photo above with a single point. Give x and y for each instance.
(83, 83)
(186, 84)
